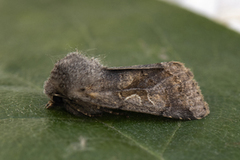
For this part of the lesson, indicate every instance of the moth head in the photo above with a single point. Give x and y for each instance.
(73, 72)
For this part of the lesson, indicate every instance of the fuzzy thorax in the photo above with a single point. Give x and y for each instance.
(73, 72)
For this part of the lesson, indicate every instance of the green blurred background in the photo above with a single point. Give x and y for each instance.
(35, 34)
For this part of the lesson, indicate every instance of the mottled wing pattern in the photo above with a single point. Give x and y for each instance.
(166, 89)
(84, 85)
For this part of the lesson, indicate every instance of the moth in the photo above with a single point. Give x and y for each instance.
(83, 85)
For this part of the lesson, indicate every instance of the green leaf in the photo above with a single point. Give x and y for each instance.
(34, 34)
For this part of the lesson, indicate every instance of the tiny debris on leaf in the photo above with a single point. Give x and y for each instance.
(84, 86)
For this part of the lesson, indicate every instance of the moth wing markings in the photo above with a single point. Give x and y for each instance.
(149, 109)
(134, 102)
(149, 99)
(151, 104)
(134, 98)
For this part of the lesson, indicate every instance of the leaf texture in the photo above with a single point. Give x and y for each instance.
(34, 35)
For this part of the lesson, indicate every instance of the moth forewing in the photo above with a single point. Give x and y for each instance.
(85, 86)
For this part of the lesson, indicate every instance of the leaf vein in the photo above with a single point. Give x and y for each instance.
(133, 140)
(170, 139)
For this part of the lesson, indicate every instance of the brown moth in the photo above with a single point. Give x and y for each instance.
(84, 86)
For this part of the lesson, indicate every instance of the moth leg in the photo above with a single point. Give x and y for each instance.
(50, 104)
(53, 105)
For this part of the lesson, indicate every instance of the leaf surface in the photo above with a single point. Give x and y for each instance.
(34, 34)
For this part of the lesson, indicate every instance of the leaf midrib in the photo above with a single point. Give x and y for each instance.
(158, 156)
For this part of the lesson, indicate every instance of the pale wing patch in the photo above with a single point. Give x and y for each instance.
(157, 100)
(149, 99)
(134, 98)
(126, 80)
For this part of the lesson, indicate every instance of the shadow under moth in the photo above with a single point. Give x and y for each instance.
(84, 86)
